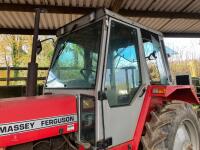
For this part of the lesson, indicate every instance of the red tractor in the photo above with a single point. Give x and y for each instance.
(108, 87)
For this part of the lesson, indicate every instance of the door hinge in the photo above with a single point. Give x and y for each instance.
(142, 91)
(103, 144)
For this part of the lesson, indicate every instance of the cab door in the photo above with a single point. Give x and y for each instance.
(123, 82)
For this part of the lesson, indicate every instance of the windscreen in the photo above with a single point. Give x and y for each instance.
(75, 62)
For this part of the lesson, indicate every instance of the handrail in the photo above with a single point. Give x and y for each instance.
(22, 68)
(8, 77)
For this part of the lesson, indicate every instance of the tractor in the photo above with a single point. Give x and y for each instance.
(108, 87)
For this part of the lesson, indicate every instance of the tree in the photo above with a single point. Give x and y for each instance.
(44, 58)
(16, 50)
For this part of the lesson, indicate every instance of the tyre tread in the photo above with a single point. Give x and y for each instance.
(158, 128)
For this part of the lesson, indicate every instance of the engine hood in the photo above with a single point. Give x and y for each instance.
(27, 119)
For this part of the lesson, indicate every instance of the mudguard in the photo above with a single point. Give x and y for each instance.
(185, 93)
(27, 119)
(156, 95)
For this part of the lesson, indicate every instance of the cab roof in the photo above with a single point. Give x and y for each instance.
(97, 15)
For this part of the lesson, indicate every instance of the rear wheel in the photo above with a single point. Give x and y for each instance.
(174, 127)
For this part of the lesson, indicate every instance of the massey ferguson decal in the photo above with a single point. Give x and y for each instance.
(28, 125)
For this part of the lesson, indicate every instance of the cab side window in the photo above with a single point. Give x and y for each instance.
(123, 69)
(153, 56)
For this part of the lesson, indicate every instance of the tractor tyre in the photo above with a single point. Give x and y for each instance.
(174, 127)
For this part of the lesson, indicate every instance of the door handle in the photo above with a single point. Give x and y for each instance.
(142, 92)
(102, 95)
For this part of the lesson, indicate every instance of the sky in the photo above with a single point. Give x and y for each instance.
(186, 48)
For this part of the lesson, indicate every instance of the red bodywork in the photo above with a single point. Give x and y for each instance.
(153, 100)
(26, 110)
(44, 107)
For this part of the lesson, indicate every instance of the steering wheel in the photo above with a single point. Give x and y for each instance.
(153, 54)
(83, 74)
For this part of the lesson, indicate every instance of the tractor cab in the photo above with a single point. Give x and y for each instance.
(107, 61)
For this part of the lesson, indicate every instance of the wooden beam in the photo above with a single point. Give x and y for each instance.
(116, 5)
(26, 31)
(45, 8)
(84, 10)
(182, 35)
(159, 14)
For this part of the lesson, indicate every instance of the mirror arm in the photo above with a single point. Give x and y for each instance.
(48, 39)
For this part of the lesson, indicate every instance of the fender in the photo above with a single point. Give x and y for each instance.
(27, 119)
(157, 95)
(180, 92)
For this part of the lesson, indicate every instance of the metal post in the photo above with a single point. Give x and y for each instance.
(32, 66)
(8, 75)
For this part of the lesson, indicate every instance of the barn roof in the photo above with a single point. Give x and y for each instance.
(172, 17)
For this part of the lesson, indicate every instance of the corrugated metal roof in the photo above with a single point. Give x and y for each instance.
(12, 19)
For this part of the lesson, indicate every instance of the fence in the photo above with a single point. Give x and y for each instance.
(8, 77)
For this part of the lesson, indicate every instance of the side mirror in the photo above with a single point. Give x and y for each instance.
(39, 47)
(153, 54)
(39, 44)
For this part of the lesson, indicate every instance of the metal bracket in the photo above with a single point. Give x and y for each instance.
(103, 144)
